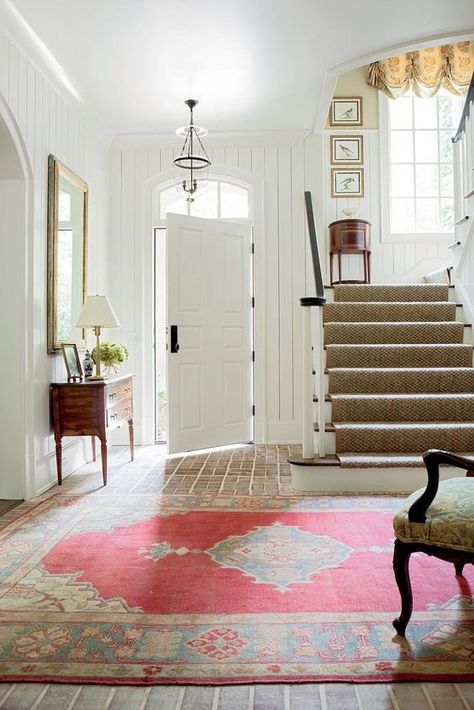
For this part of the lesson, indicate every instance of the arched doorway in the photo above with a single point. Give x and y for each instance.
(16, 370)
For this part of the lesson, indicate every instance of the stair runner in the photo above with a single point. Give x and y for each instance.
(400, 376)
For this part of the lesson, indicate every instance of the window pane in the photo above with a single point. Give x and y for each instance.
(445, 147)
(401, 147)
(234, 201)
(172, 201)
(447, 215)
(427, 219)
(425, 113)
(448, 111)
(402, 181)
(446, 180)
(403, 216)
(401, 113)
(426, 146)
(205, 201)
(427, 180)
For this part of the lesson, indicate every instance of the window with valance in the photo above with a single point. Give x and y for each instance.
(425, 71)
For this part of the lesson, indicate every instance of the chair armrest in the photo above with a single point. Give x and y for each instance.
(433, 458)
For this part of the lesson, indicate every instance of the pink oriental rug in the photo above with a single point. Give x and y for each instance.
(200, 589)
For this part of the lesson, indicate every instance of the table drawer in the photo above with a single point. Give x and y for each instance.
(119, 413)
(118, 391)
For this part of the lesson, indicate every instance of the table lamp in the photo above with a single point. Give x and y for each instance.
(97, 313)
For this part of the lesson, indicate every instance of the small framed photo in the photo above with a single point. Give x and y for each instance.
(346, 111)
(347, 149)
(72, 361)
(347, 182)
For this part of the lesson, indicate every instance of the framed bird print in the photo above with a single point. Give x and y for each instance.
(347, 149)
(346, 111)
(347, 182)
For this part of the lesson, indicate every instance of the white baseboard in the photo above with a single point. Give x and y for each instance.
(75, 455)
(284, 432)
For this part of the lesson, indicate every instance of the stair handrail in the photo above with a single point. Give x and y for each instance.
(308, 364)
(465, 112)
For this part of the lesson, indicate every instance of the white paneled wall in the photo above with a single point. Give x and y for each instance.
(404, 260)
(49, 123)
(281, 170)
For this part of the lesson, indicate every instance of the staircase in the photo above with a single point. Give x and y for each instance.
(400, 380)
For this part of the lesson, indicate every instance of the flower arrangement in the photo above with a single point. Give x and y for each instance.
(111, 354)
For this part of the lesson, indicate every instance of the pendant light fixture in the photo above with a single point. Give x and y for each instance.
(193, 156)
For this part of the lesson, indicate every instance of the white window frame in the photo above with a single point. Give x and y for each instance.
(213, 178)
(386, 234)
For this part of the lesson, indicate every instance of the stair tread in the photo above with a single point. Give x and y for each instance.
(389, 460)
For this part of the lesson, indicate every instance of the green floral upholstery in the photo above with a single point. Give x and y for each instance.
(449, 519)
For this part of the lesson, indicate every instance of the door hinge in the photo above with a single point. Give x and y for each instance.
(253, 248)
(253, 355)
(253, 410)
(253, 301)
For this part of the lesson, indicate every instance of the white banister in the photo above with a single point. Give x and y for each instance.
(308, 421)
(320, 390)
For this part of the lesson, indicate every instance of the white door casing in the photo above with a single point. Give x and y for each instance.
(209, 300)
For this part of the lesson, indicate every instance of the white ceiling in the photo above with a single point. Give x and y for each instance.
(253, 64)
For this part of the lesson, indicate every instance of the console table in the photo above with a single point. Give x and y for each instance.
(349, 236)
(91, 408)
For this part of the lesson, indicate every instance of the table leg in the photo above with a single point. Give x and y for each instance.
(93, 448)
(368, 267)
(331, 258)
(59, 461)
(364, 254)
(132, 439)
(103, 452)
(339, 263)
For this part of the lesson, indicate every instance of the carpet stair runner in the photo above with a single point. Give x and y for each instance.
(400, 374)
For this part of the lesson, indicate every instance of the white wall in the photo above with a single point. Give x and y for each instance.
(49, 123)
(283, 165)
(404, 260)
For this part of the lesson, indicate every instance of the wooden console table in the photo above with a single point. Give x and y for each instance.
(349, 236)
(91, 408)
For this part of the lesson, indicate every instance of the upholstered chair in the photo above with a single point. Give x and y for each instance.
(438, 521)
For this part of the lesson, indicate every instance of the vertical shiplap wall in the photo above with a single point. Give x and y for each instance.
(50, 124)
(403, 260)
(283, 170)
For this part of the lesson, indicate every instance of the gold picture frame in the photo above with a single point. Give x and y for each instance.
(346, 111)
(347, 182)
(72, 362)
(347, 150)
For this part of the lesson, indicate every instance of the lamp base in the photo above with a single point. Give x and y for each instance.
(95, 377)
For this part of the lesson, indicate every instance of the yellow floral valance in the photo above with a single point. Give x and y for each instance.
(425, 71)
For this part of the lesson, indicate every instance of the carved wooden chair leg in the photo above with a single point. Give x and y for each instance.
(401, 560)
(459, 566)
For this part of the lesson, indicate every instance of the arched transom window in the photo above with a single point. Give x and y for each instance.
(217, 199)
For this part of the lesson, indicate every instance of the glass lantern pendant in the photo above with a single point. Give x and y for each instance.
(193, 156)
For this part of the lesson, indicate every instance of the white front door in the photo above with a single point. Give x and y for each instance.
(209, 325)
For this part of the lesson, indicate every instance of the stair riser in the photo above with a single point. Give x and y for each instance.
(349, 356)
(398, 383)
(329, 295)
(396, 292)
(336, 334)
(390, 312)
(396, 441)
(398, 412)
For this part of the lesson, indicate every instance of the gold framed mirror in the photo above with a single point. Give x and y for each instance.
(67, 254)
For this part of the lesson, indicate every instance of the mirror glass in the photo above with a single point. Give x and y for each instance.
(67, 254)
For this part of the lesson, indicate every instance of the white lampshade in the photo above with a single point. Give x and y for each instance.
(97, 311)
